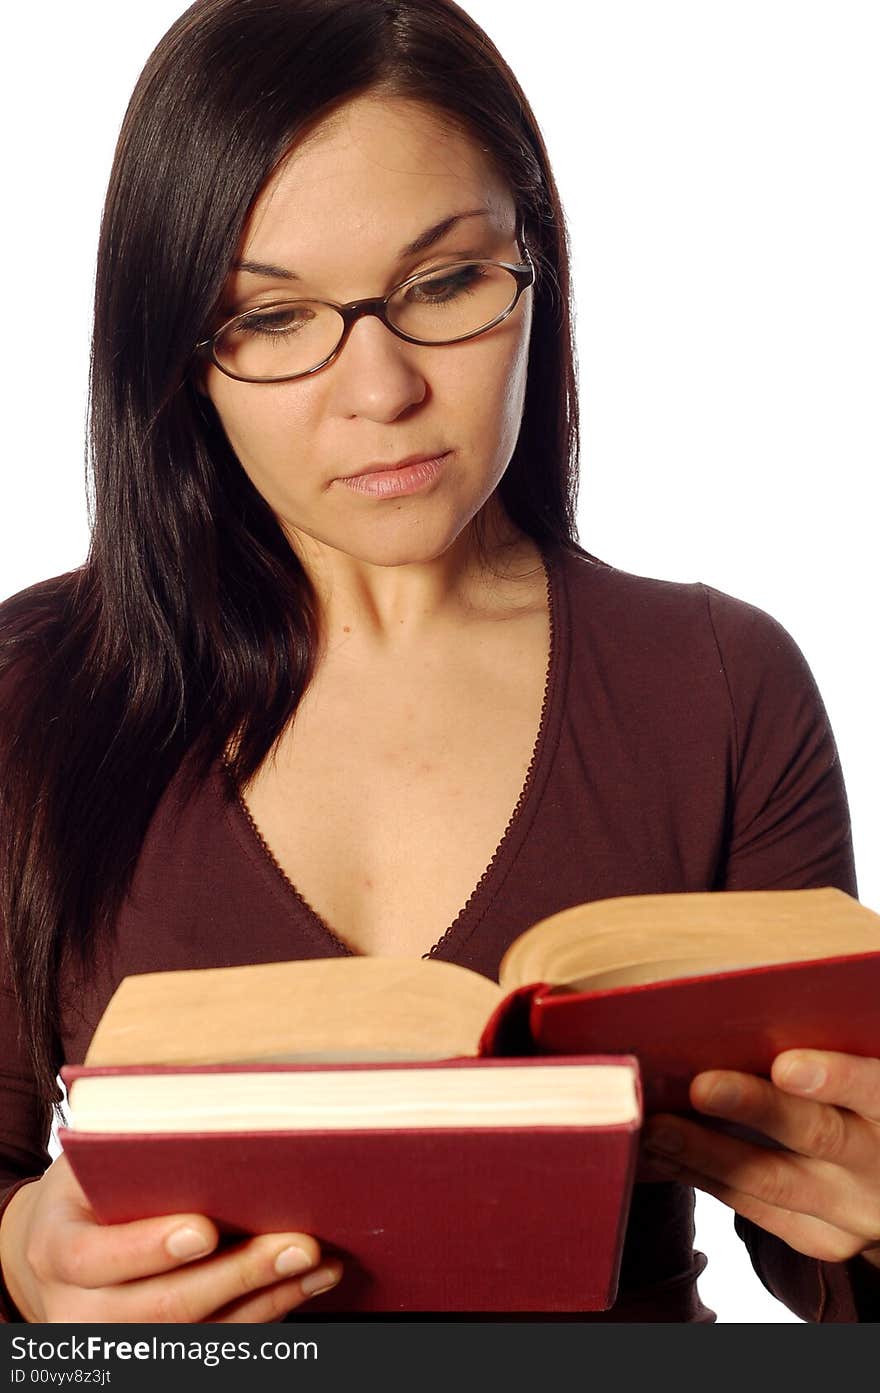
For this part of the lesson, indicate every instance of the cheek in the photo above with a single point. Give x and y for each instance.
(260, 423)
(516, 377)
(489, 386)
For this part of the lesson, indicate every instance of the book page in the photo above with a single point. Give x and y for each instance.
(650, 938)
(545, 1095)
(357, 1008)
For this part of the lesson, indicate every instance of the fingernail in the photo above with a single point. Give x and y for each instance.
(322, 1279)
(722, 1095)
(291, 1261)
(187, 1243)
(804, 1075)
(664, 1138)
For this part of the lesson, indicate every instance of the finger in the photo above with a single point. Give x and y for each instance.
(273, 1303)
(79, 1252)
(810, 1128)
(804, 1232)
(846, 1080)
(778, 1179)
(192, 1293)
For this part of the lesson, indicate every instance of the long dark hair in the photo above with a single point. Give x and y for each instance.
(192, 623)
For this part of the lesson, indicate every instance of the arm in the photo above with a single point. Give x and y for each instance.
(790, 829)
(58, 1263)
(24, 1133)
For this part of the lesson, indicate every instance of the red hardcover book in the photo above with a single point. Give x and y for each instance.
(474, 1216)
(480, 1219)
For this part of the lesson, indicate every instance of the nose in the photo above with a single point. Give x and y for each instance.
(377, 375)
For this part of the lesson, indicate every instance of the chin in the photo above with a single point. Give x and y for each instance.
(401, 551)
(398, 541)
(397, 532)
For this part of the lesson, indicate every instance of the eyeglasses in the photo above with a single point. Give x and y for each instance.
(286, 339)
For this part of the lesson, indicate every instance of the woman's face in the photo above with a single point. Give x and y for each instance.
(376, 177)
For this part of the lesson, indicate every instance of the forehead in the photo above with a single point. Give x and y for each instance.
(378, 168)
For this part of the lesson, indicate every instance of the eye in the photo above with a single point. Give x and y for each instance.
(445, 289)
(276, 322)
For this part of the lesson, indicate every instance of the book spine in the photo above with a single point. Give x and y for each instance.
(508, 1030)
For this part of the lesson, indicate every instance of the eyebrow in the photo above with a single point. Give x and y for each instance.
(426, 239)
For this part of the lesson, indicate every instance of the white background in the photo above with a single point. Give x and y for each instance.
(718, 163)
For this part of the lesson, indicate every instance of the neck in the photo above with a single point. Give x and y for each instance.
(393, 606)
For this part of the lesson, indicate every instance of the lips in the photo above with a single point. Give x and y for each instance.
(415, 476)
(394, 465)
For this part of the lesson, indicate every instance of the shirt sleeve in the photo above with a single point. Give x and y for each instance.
(24, 1133)
(789, 830)
(25, 1123)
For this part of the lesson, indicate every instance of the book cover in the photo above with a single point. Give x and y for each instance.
(736, 1020)
(452, 1219)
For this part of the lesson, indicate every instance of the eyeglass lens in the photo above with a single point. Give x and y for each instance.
(295, 337)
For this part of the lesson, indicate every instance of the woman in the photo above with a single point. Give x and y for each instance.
(336, 676)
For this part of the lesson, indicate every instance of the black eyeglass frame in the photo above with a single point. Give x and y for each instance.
(523, 273)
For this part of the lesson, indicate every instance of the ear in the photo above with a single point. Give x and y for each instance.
(200, 400)
(198, 376)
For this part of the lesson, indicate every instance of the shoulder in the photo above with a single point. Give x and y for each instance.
(31, 609)
(683, 657)
(32, 625)
(671, 618)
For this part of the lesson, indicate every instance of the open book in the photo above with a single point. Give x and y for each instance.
(686, 982)
(416, 1116)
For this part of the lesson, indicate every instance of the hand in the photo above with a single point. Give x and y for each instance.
(60, 1264)
(822, 1194)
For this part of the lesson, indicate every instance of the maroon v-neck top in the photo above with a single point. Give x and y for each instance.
(683, 746)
